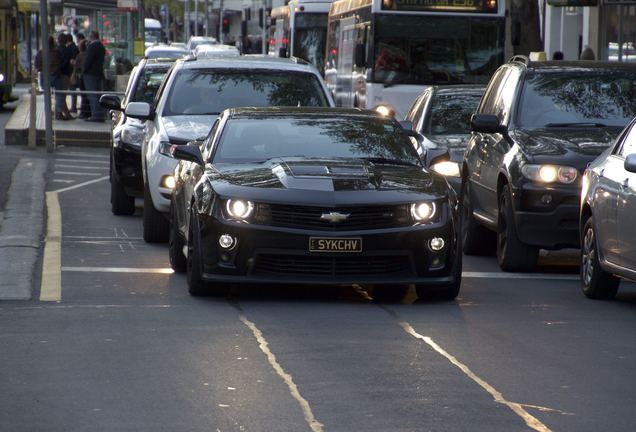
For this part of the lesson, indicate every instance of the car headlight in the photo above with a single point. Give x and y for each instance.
(1, 77)
(132, 135)
(239, 209)
(550, 173)
(447, 168)
(423, 211)
(385, 110)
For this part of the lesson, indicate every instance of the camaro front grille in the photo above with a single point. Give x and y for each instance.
(341, 266)
(350, 218)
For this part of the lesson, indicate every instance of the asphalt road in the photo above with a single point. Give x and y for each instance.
(127, 349)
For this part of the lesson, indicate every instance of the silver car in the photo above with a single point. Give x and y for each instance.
(608, 218)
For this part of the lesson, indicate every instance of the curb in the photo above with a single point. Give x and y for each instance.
(21, 229)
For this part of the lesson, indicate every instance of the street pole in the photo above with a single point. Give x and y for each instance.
(46, 78)
(196, 17)
(186, 21)
(207, 21)
(221, 21)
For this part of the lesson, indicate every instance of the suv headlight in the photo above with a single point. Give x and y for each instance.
(132, 135)
(423, 211)
(447, 168)
(550, 173)
(238, 209)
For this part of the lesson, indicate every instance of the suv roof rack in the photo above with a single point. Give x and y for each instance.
(520, 59)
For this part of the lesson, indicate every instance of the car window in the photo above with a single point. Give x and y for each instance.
(584, 96)
(205, 91)
(207, 146)
(131, 82)
(451, 112)
(256, 140)
(628, 145)
(487, 105)
(148, 84)
(162, 87)
(505, 101)
(416, 109)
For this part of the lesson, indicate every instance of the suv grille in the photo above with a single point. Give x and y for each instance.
(359, 218)
(341, 266)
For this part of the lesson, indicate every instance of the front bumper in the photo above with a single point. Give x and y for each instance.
(388, 256)
(127, 168)
(550, 225)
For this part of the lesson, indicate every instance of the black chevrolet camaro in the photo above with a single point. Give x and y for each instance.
(312, 196)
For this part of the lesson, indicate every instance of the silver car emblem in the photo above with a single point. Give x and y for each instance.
(334, 217)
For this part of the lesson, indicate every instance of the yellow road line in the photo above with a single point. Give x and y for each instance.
(51, 288)
(531, 421)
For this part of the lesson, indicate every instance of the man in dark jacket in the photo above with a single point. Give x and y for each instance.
(94, 74)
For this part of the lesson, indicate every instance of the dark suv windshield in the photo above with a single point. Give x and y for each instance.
(605, 96)
(212, 91)
(148, 84)
(252, 140)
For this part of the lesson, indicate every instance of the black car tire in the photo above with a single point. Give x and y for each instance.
(512, 254)
(447, 291)
(477, 239)
(156, 226)
(196, 285)
(596, 283)
(178, 261)
(120, 203)
(389, 293)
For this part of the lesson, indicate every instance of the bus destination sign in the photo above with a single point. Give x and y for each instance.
(471, 6)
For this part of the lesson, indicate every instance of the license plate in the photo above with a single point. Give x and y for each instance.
(335, 244)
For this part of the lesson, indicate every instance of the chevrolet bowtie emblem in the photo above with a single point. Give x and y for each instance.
(334, 217)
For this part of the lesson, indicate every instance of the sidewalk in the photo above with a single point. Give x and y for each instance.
(65, 133)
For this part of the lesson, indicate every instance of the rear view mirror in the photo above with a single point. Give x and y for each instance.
(485, 123)
(110, 101)
(361, 55)
(630, 163)
(190, 153)
(138, 110)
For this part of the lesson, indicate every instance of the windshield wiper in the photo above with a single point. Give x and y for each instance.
(574, 124)
(387, 161)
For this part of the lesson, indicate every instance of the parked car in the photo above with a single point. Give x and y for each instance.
(441, 117)
(195, 41)
(537, 127)
(164, 51)
(607, 230)
(127, 134)
(312, 195)
(217, 50)
(192, 96)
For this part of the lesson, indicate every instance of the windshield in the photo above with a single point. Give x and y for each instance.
(148, 84)
(152, 34)
(212, 91)
(310, 37)
(599, 96)
(257, 140)
(451, 112)
(196, 43)
(437, 50)
(170, 54)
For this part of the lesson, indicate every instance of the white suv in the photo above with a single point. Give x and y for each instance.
(190, 99)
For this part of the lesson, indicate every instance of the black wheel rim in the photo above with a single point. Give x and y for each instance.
(502, 235)
(588, 256)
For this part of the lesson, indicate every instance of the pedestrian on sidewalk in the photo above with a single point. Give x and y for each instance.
(66, 69)
(94, 74)
(55, 65)
(85, 108)
(74, 51)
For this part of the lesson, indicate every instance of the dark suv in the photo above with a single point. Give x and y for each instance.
(537, 127)
(127, 133)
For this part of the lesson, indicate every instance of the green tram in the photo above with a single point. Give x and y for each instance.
(8, 48)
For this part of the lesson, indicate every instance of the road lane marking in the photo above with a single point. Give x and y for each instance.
(63, 181)
(531, 421)
(503, 275)
(76, 173)
(287, 378)
(81, 160)
(167, 270)
(51, 285)
(105, 167)
(86, 183)
(88, 155)
(103, 238)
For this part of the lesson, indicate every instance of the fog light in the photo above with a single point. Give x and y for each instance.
(546, 199)
(226, 241)
(436, 244)
(168, 182)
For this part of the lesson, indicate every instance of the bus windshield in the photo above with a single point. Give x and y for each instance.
(436, 50)
(309, 38)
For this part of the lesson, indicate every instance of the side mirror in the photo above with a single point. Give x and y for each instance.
(361, 55)
(630, 163)
(190, 153)
(110, 101)
(138, 110)
(486, 123)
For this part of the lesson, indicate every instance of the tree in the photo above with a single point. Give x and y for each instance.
(525, 20)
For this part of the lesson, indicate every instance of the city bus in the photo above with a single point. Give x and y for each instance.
(383, 53)
(299, 29)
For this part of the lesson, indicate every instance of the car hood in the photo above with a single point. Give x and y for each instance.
(578, 143)
(188, 127)
(327, 181)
